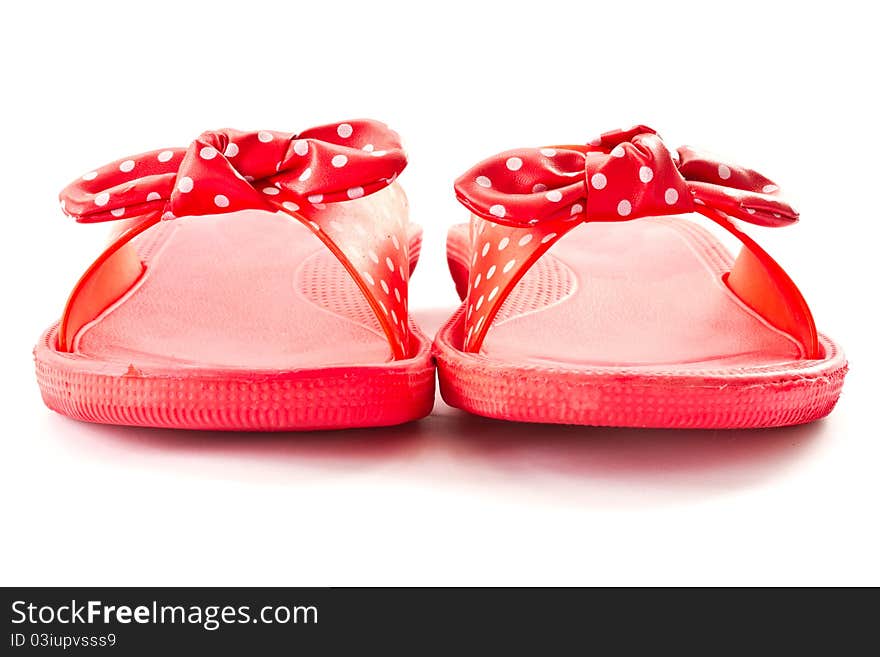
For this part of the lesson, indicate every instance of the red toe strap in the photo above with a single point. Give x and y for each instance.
(230, 170)
(526, 199)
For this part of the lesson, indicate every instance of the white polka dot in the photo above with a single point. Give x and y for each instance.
(577, 208)
(355, 192)
(368, 147)
(498, 210)
(503, 243)
(624, 208)
(221, 201)
(395, 242)
(525, 239)
(300, 147)
(290, 206)
(397, 294)
(491, 272)
(479, 323)
(750, 210)
(477, 282)
(231, 150)
(368, 278)
(483, 181)
(547, 237)
(126, 166)
(646, 174)
(509, 265)
(314, 199)
(480, 301)
(671, 196)
(723, 171)
(91, 175)
(554, 196)
(385, 287)
(378, 153)
(514, 163)
(372, 256)
(618, 151)
(769, 189)
(344, 130)
(118, 212)
(339, 161)
(493, 293)
(548, 152)
(270, 191)
(102, 199)
(306, 174)
(185, 184)
(164, 156)
(153, 196)
(390, 264)
(264, 136)
(208, 153)
(394, 315)
(486, 249)
(598, 181)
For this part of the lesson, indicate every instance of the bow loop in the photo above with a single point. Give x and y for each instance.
(526, 186)
(230, 170)
(735, 190)
(622, 175)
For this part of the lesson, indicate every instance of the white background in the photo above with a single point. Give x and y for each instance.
(453, 499)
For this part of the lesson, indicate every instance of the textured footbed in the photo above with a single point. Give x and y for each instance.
(631, 324)
(240, 322)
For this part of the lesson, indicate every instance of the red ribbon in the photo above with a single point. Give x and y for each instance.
(623, 175)
(229, 170)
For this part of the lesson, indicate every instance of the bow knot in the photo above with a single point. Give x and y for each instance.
(622, 175)
(229, 170)
(637, 155)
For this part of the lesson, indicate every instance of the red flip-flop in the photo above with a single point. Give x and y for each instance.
(258, 282)
(574, 313)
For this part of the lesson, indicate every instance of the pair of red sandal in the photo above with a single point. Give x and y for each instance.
(259, 281)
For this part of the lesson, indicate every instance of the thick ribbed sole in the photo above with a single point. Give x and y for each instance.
(235, 400)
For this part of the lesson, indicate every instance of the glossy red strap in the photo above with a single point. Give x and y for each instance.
(229, 170)
(524, 200)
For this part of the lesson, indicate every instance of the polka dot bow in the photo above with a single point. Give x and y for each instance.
(624, 174)
(525, 200)
(229, 170)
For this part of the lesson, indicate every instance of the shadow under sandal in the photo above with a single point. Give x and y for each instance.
(589, 299)
(258, 281)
